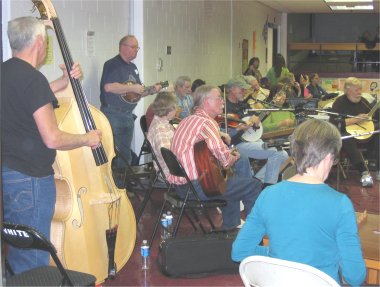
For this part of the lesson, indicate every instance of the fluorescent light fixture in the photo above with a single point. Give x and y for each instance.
(348, 1)
(358, 7)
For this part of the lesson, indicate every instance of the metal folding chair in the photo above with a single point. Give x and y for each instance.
(175, 202)
(22, 236)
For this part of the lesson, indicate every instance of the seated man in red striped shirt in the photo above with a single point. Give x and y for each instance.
(201, 126)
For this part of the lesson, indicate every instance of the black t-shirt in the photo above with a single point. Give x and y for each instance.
(237, 108)
(116, 70)
(344, 106)
(24, 90)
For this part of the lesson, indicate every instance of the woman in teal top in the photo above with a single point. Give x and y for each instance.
(305, 220)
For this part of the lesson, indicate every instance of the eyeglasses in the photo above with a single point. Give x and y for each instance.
(132, 47)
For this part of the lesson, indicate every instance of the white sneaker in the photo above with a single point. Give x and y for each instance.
(366, 179)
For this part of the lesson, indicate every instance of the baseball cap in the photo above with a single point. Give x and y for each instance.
(238, 81)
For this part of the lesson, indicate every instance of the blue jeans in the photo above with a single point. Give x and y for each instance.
(243, 189)
(122, 124)
(30, 201)
(243, 167)
(269, 173)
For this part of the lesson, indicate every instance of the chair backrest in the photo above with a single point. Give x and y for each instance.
(160, 170)
(263, 271)
(22, 236)
(174, 166)
(143, 124)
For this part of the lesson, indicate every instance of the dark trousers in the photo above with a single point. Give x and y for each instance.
(352, 148)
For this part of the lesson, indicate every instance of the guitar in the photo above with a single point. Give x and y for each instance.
(133, 98)
(365, 126)
(210, 172)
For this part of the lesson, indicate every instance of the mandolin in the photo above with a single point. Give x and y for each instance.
(133, 98)
(365, 126)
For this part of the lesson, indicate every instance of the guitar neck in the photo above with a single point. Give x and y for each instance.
(147, 91)
(373, 110)
(275, 134)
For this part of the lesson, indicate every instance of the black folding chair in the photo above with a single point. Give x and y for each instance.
(134, 178)
(145, 148)
(22, 236)
(159, 177)
(170, 197)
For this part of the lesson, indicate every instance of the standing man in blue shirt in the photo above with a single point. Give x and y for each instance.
(120, 90)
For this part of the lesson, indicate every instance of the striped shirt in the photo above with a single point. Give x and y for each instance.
(160, 135)
(195, 128)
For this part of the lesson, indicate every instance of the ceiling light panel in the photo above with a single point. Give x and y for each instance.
(357, 7)
(348, 1)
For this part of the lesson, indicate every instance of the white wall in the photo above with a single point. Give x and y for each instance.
(249, 16)
(198, 33)
(205, 36)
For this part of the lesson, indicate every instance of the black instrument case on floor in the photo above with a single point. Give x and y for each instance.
(197, 256)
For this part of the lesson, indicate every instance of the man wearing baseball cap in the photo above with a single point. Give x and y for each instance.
(235, 90)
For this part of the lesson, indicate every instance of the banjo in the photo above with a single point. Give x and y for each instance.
(254, 133)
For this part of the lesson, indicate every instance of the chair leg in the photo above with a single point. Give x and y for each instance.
(198, 221)
(8, 267)
(190, 220)
(128, 187)
(157, 223)
(145, 201)
(180, 215)
(209, 219)
(340, 167)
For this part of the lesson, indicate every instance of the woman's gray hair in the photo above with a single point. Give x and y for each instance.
(311, 141)
(23, 31)
(164, 103)
(201, 93)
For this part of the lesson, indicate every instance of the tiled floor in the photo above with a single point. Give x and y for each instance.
(131, 274)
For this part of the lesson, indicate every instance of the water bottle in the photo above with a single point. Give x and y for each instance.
(164, 226)
(145, 252)
(170, 228)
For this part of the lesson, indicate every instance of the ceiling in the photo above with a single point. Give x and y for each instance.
(308, 6)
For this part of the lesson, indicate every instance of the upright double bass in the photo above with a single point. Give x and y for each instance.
(94, 226)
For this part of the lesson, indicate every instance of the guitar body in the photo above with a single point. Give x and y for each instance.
(252, 135)
(209, 171)
(364, 127)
